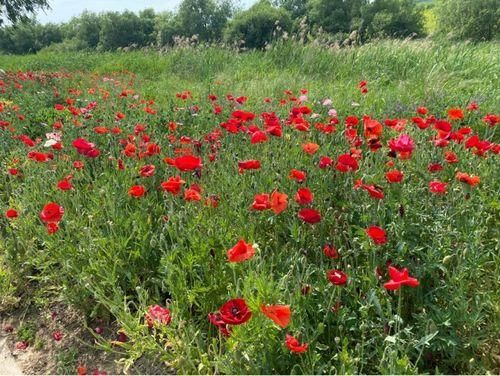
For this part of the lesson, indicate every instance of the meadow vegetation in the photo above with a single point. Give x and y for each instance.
(151, 257)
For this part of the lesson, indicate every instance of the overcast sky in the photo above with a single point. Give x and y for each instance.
(63, 10)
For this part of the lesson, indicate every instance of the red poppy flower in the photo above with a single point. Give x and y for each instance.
(51, 213)
(336, 277)
(11, 214)
(147, 171)
(57, 335)
(240, 252)
(216, 319)
(472, 180)
(310, 148)
(437, 187)
(346, 163)
(187, 163)
(137, 191)
(251, 164)
(235, 312)
(434, 167)
(455, 114)
(52, 227)
(191, 194)
(351, 121)
(450, 157)
(81, 370)
(377, 234)
(473, 106)
(294, 345)
(372, 128)
(78, 165)
(304, 196)
(261, 202)
(394, 176)
(86, 148)
(330, 251)
(157, 315)
(280, 314)
(258, 137)
(325, 162)
(297, 175)
(422, 110)
(375, 192)
(310, 215)
(173, 185)
(403, 145)
(491, 119)
(65, 185)
(400, 278)
(279, 202)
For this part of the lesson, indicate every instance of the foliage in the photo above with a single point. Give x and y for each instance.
(392, 18)
(29, 36)
(16, 10)
(113, 24)
(204, 18)
(477, 20)
(336, 16)
(258, 26)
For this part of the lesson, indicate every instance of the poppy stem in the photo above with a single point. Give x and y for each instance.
(398, 321)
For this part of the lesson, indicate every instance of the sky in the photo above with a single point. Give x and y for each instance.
(63, 10)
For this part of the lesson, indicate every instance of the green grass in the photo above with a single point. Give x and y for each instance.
(407, 72)
(114, 255)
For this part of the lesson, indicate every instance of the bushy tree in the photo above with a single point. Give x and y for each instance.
(205, 18)
(256, 25)
(86, 29)
(28, 36)
(477, 20)
(297, 8)
(166, 28)
(16, 10)
(332, 16)
(120, 30)
(392, 18)
(148, 18)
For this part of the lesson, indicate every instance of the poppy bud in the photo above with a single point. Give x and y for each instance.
(305, 290)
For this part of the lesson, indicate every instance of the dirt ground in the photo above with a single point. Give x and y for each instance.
(8, 364)
(59, 342)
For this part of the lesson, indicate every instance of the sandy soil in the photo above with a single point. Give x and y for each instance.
(8, 365)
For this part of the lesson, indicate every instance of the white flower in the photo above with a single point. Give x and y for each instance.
(327, 102)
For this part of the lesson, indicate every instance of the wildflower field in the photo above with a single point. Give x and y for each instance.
(293, 211)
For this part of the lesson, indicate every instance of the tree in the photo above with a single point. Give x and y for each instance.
(297, 8)
(166, 28)
(392, 18)
(257, 25)
(85, 29)
(477, 20)
(17, 10)
(205, 18)
(334, 16)
(120, 30)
